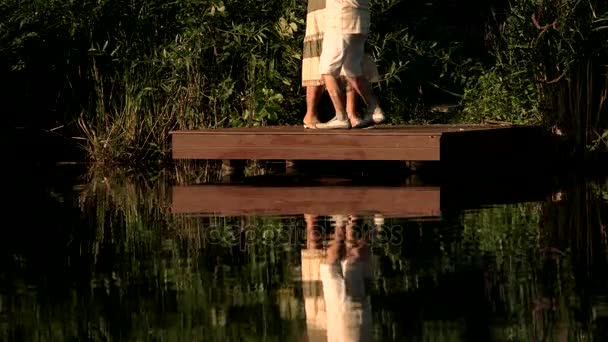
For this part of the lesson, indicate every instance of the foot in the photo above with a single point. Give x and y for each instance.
(335, 123)
(310, 122)
(354, 120)
(366, 122)
(372, 118)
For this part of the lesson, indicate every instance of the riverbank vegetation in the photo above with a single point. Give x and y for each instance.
(119, 75)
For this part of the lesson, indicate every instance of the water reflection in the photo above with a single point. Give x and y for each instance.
(109, 261)
(339, 309)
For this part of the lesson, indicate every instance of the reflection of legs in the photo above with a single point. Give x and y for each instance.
(314, 238)
(346, 243)
(357, 262)
(348, 309)
(333, 281)
(312, 257)
(335, 250)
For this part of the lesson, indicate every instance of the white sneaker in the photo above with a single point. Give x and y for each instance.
(335, 123)
(378, 115)
(371, 119)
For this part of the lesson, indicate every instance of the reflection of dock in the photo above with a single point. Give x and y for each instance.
(320, 200)
(390, 201)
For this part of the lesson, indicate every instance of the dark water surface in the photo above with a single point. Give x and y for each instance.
(103, 258)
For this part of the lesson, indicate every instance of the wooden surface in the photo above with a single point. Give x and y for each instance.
(341, 197)
(415, 143)
(319, 200)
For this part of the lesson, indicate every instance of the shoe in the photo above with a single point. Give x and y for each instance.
(378, 115)
(335, 123)
(366, 122)
(371, 119)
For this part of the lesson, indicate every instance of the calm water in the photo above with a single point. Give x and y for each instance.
(102, 258)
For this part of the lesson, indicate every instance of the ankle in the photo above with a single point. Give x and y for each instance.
(341, 116)
(374, 109)
(372, 106)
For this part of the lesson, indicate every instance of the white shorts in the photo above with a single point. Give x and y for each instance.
(342, 53)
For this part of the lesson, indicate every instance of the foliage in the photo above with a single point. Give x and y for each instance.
(120, 75)
(502, 96)
(549, 60)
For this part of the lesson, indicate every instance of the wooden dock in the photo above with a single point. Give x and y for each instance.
(406, 143)
(459, 148)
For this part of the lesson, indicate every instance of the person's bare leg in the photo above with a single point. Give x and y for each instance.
(340, 121)
(330, 66)
(362, 86)
(351, 104)
(335, 94)
(313, 96)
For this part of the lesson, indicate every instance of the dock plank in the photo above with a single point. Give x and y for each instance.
(410, 143)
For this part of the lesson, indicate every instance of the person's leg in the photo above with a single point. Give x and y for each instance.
(351, 104)
(362, 86)
(313, 42)
(374, 115)
(336, 95)
(313, 96)
(332, 59)
(370, 73)
(355, 50)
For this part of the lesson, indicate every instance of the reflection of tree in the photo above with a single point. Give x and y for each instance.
(121, 266)
(129, 271)
(573, 246)
(537, 275)
(546, 262)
